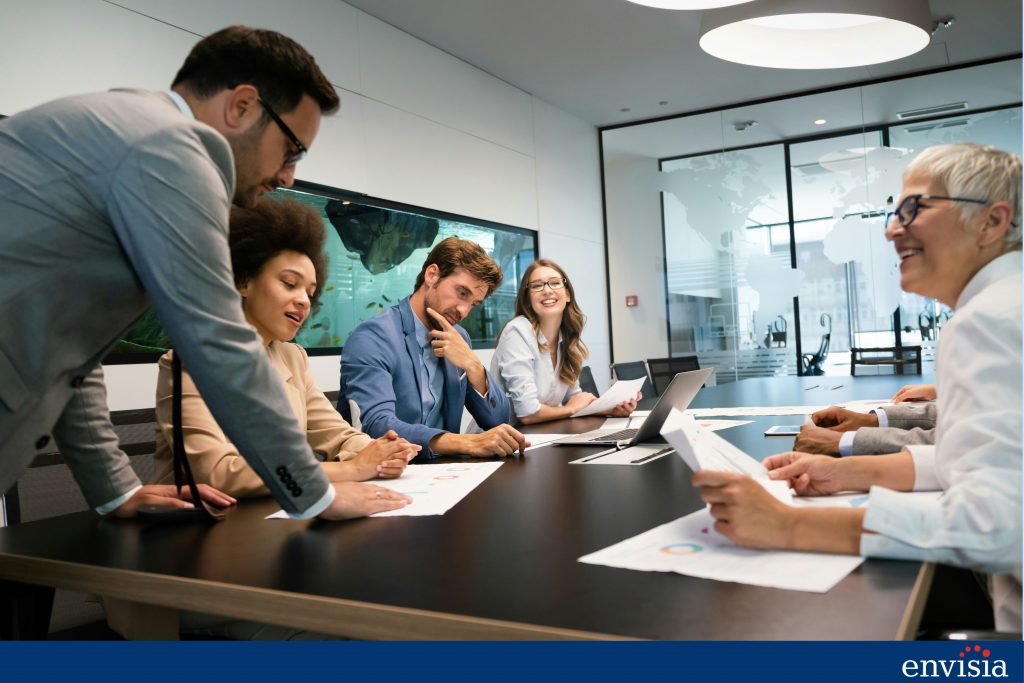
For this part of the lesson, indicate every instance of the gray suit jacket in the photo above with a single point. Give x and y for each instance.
(909, 424)
(110, 202)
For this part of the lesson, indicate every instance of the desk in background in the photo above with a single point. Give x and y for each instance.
(501, 564)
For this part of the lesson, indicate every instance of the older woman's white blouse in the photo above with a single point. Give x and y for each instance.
(976, 459)
(524, 371)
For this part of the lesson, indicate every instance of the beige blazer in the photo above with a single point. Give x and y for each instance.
(214, 459)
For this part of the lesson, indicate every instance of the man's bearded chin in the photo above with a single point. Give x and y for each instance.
(434, 324)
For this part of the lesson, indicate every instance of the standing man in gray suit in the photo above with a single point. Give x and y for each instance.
(113, 201)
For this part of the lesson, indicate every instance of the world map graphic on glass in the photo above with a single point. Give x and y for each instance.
(375, 250)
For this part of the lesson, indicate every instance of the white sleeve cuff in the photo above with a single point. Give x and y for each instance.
(107, 508)
(846, 443)
(926, 477)
(901, 523)
(883, 419)
(317, 507)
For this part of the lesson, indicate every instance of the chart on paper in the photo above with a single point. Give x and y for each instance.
(434, 489)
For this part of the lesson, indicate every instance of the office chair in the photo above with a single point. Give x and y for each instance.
(48, 489)
(664, 369)
(587, 382)
(777, 333)
(635, 370)
(813, 361)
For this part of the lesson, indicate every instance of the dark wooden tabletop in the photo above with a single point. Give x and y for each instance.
(506, 553)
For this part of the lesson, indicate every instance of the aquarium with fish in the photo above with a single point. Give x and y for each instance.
(375, 250)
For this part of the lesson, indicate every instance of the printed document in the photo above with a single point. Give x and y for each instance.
(754, 411)
(621, 391)
(702, 449)
(434, 489)
(690, 547)
(860, 406)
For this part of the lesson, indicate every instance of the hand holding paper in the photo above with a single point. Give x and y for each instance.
(620, 392)
(702, 449)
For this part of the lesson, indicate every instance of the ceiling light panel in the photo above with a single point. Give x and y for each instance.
(816, 34)
(688, 4)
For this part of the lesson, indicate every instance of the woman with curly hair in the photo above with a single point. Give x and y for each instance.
(279, 270)
(540, 352)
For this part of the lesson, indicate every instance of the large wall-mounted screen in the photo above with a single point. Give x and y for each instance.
(375, 249)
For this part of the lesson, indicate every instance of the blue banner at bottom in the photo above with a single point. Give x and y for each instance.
(479, 662)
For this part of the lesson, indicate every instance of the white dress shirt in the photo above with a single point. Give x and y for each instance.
(976, 459)
(525, 372)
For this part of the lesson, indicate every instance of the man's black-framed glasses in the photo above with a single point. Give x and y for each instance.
(553, 284)
(907, 210)
(294, 157)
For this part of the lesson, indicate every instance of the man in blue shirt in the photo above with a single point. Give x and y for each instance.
(411, 368)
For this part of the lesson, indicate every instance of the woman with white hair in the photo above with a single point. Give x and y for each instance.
(957, 231)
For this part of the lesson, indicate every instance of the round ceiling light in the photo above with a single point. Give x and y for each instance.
(688, 4)
(816, 34)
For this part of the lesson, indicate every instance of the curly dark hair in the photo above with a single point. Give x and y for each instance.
(454, 253)
(263, 231)
(281, 69)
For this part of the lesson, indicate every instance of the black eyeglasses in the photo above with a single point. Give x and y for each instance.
(554, 283)
(294, 157)
(906, 212)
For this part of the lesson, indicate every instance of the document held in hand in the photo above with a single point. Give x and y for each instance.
(702, 449)
(623, 390)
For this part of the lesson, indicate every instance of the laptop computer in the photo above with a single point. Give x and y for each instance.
(679, 394)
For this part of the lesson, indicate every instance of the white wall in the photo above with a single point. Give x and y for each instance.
(416, 125)
(636, 257)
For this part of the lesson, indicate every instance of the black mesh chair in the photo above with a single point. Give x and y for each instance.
(587, 382)
(814, 362)
(635, 370)
(664, 369)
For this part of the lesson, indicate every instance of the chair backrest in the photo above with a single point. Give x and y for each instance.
(587, 382)
(662, 370)
(635, 370)
(47, 489)
(904, 360)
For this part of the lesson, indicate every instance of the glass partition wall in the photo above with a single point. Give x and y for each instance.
(772, 221)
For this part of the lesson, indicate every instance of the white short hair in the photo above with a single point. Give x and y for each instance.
(967, 169)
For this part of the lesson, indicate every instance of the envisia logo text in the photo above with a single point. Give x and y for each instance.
(971, 662)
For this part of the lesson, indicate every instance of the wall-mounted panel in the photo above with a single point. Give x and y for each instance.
(416, 161)
(66, 47)
(338, 157)
(327, 28)
(411, 75)
(568, 181)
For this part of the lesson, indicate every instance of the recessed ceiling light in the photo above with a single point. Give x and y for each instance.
(820, 122)
(816, 34)
(688, 4)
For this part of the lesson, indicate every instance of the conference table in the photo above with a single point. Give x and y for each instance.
(501, 564)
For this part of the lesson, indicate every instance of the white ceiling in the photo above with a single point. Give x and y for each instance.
(594, 58)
